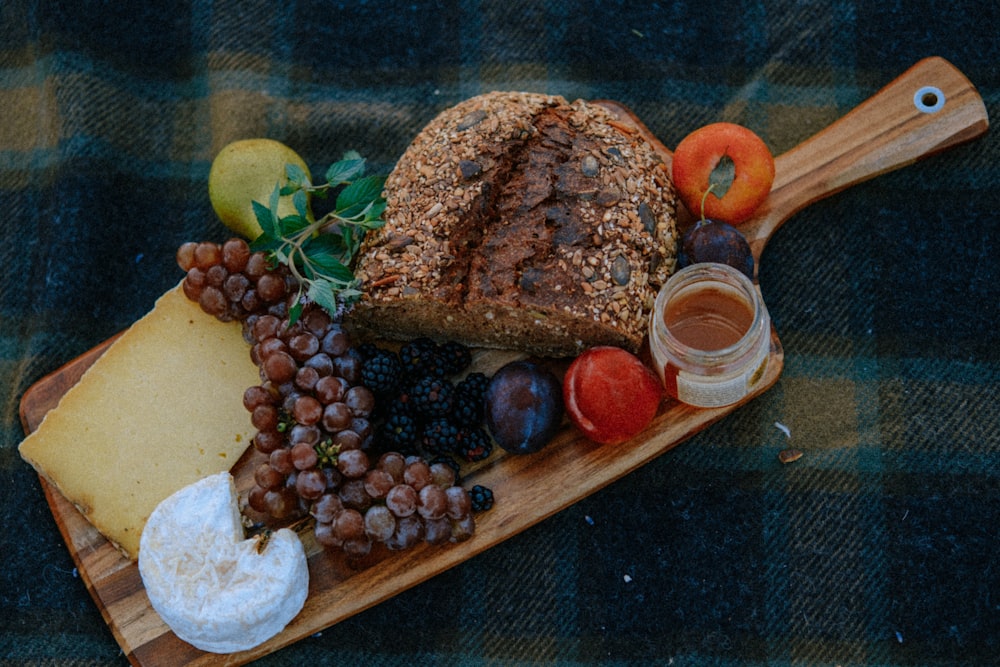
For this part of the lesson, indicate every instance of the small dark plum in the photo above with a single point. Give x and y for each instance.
(715, 241)
(524, 407)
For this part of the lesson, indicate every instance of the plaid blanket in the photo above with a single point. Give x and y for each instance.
(878, 547)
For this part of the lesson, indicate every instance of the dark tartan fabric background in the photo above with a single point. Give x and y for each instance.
(879, 547)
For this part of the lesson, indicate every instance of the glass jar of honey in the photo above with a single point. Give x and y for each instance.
(710, 335)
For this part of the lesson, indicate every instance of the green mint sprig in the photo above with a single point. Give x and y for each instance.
(319, 252)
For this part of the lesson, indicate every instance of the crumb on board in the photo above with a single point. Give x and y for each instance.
(789, 455)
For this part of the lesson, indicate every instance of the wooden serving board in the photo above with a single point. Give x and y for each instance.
(897, 126)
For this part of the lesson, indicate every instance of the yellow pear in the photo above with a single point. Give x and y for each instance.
(245, 171)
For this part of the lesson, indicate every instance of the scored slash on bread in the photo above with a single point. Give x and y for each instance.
(520, 221)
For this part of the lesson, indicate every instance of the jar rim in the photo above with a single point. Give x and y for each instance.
(716, 272)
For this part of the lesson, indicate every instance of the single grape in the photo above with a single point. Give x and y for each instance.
(281, 460)
(268, 441)
(316, 322)
(335, 342)
(310, 484)
(265, 417)
(321, 363)
(331, 389)
(348, 366)
(380, 523)
(216, 276)
(185, 255)
(304, 433)
(347, 439)
(432, 502)
(326, 508)
(352, 463)
(266, 326)
(393, 463)
(279, 367)
(325, 535)
(459, 502)
(378, 483)
(360, 400)
(271, 287)
(336, 417)
(402, 500)
(306, 378)
(462, 529)
(409, 531)
(235, 255)
(349, 524)
(417, 474)
(235, 287)
(213, 301)
(257, 266)
(442, 475)
(267, 477)
(307, 410)
(206, 255)
(281, 503)
(302, 346)
(255, 396)
(255, 499)
(438, 530)
(303, 456)
(352, 493)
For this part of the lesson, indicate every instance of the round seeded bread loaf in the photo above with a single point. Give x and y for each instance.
(520, 221)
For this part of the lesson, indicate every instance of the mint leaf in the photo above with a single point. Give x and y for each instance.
(345, 170)
(301, 201)
(296, 176)
(322, 292)
(266, 219)
(355, 197)
(318, 253)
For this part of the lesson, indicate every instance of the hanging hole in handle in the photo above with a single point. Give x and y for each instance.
(928, 99)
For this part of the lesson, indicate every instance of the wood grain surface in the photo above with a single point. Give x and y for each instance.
(892, 129)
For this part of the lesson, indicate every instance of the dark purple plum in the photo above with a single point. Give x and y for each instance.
(524, 407)
(718, 242)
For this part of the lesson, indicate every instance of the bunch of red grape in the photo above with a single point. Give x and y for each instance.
(313, 415)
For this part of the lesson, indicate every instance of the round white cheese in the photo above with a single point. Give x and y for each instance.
(213, 588)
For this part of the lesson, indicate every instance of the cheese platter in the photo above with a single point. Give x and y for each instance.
(929, 108)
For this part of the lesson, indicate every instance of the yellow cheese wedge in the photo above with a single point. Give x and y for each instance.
(160, 409)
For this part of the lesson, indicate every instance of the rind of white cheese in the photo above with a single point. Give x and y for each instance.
(213, 588)
(160, 409)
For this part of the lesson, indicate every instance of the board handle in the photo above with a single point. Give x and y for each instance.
(930, 107)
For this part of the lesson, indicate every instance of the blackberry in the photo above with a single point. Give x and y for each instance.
(400, 433)
(420, 357)
(475, 445)
(440, 436)
(468, 408)
(482, 498)
(431, 396)
(475, 383)
(455, 357)
(381, 372)
(368, 350)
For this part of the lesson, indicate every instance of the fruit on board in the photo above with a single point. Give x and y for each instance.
(216, 590)
(715, 241)
(728, 162)
(524, 407)
(246, 171)
(610, 395)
